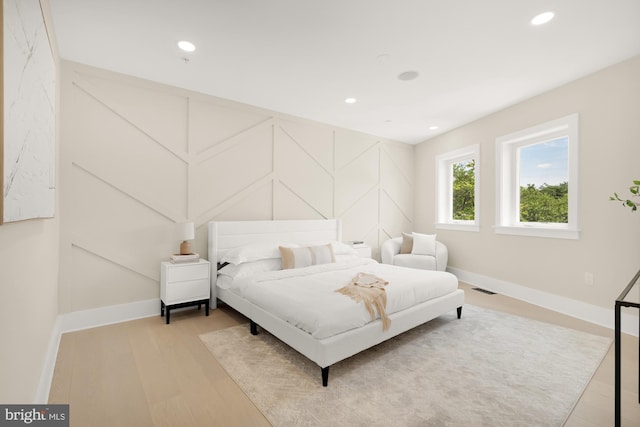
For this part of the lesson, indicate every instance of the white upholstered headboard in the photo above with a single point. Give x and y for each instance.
(225, 235)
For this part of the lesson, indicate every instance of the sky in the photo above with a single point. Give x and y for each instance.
(546, 162)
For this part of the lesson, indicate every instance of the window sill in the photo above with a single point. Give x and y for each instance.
(457, 226)
(553, 233)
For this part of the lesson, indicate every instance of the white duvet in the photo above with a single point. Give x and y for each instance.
(306, 297)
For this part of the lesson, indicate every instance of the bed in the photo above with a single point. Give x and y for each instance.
(323, 344)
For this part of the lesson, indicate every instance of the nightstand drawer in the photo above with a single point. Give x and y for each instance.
(190, 271)
(186, 291)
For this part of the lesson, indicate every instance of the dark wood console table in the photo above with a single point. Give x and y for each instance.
(630, 297)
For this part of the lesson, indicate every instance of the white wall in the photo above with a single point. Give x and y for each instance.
(29, 295)
(138, 157)
(608, 103)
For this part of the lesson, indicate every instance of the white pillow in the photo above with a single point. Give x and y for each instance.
(306, 256)
(340, 248)
(424, 244)
(253, 252)
(250, 268)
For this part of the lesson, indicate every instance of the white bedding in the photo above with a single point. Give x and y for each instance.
(306, 297)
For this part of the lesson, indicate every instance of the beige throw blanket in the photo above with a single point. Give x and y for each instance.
(369, 289)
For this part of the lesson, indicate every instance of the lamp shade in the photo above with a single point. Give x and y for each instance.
(186, 231)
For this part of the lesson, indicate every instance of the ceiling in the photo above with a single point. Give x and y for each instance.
(304, 57)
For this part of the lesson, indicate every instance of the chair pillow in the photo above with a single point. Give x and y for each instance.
(407, 243)
(424, 244)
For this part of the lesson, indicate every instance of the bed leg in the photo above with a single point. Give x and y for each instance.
(325, 376)
(253, 327)
(459, 312)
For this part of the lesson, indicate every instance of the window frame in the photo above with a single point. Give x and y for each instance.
(507, 179)
(444, 189)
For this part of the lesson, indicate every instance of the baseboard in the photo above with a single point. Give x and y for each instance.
(571, 307)
(85, 319)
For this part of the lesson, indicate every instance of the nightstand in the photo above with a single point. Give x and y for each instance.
(183, 285)
(362, 250)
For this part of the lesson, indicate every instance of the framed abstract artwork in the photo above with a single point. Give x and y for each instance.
(28, 119)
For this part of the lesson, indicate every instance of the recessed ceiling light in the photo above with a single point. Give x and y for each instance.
(542, 18)
(434, 127)
(350, 100)
(408, 75)
(186, 46)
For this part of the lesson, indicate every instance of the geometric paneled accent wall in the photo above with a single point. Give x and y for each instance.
(138, 157)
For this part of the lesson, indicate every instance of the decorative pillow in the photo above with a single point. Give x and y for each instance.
(250, 268)
(253, 252)
(407, 243)
(424, 244)
(306, 256)
(339, 248)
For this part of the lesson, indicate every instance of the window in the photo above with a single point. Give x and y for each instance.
(537, 180)
(457, 189)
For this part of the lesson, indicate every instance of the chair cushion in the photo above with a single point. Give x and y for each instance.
(423, 262)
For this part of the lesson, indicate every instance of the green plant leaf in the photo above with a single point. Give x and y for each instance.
(635, 192)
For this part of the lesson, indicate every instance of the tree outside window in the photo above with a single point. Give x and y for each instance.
(457, 189)
(464, 185)
(543, 179)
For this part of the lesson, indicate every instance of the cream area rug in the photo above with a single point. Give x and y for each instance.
(486, 369)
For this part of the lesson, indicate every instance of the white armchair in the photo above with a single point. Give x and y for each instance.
(390, 254)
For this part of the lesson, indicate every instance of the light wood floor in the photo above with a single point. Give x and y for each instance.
(146, 373)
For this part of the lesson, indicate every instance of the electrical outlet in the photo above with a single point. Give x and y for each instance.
(588, 278)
